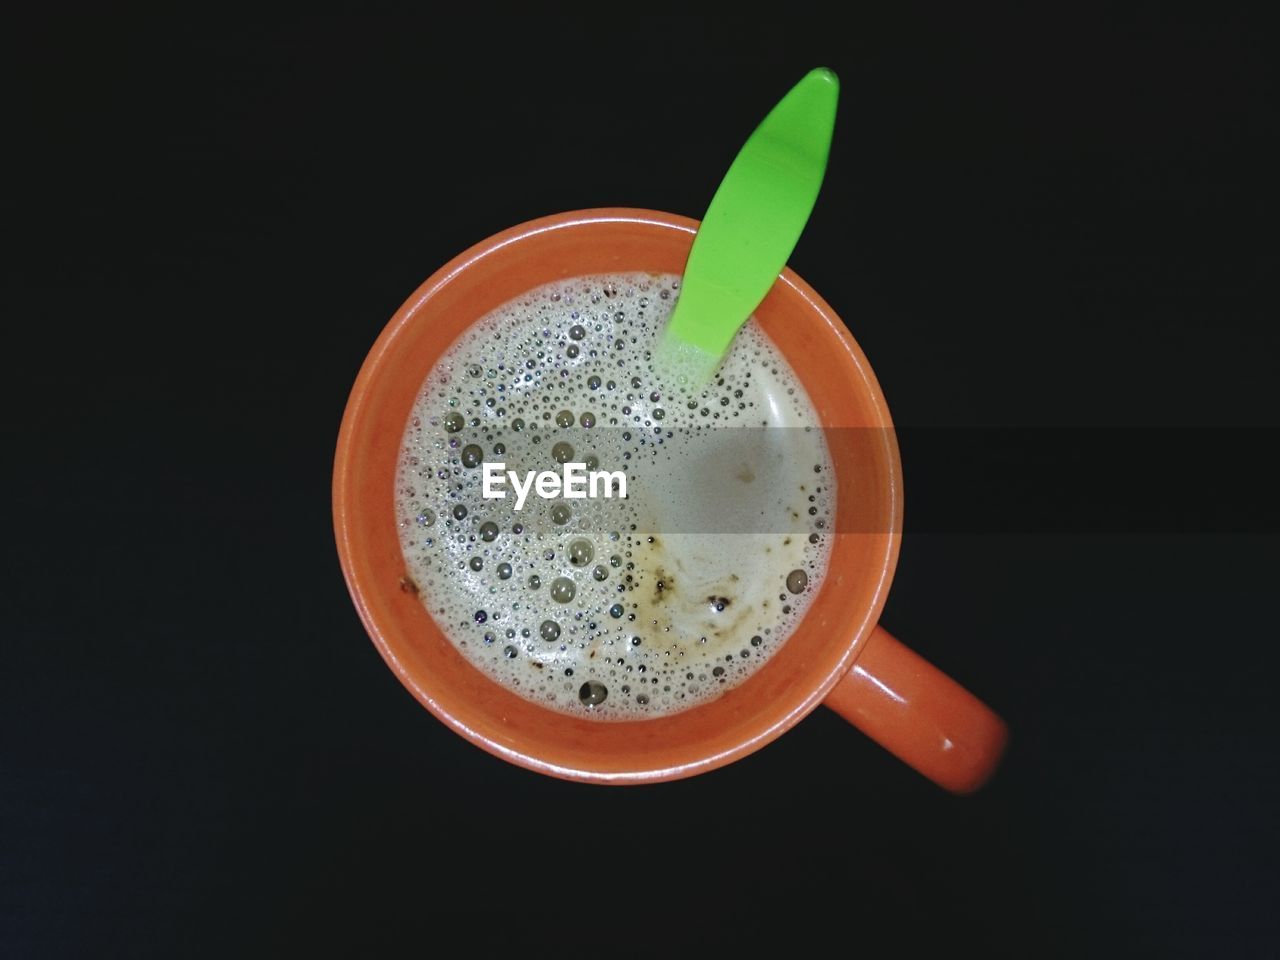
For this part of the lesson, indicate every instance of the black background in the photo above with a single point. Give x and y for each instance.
(1033, 223)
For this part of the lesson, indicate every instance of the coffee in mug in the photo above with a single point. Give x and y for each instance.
(644, 546)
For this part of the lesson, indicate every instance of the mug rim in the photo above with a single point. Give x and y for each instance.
(344, 506)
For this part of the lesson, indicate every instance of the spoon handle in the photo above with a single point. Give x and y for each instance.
(755, 220)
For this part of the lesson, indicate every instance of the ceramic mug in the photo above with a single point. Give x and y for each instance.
(837, 656)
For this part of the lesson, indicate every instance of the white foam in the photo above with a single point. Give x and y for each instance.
(697, 556)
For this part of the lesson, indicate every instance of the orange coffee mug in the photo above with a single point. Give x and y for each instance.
(837, 656)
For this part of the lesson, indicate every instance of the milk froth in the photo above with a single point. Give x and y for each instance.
(610, 608)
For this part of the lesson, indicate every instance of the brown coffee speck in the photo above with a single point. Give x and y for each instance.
(663, 587)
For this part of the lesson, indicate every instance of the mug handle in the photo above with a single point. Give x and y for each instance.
(920, 715)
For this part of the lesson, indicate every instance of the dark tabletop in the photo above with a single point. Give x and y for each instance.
(1051, 237)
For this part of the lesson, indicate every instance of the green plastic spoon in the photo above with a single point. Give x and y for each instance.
(751, 227)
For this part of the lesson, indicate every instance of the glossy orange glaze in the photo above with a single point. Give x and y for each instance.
(794, 681)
